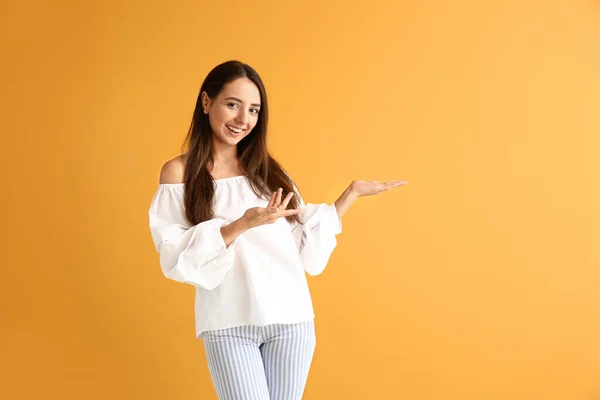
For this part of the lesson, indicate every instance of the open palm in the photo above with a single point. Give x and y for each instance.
(368, 188)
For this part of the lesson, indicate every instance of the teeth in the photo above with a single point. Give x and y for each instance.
(236, 130)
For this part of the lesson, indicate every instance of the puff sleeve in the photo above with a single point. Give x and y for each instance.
(192, 254)
(316, 237)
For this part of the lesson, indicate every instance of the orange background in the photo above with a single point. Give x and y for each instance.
(478, 280)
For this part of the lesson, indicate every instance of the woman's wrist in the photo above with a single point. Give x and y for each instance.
(343, 203)
(231, 231)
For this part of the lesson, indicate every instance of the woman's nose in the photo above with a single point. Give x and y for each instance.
(242, 117)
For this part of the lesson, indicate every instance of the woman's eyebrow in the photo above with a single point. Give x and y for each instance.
(236, 99)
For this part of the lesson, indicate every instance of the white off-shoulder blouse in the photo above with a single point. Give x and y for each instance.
(260, 278)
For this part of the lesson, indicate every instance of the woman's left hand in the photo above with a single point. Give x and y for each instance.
(368, 188)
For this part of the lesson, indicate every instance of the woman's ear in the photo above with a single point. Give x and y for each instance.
(205, 102)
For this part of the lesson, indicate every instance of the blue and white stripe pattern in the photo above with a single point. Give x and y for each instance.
(260, 362)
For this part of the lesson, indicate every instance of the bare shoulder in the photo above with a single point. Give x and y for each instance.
(172, 171)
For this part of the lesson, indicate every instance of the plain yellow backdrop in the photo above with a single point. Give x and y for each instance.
(478, 280)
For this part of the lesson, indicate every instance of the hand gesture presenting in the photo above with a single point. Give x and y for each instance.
(362, 188)
(368, 188)
(275, 209)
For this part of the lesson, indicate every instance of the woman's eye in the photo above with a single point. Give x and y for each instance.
(254, 110)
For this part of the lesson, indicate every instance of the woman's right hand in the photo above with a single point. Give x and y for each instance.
(275, 209)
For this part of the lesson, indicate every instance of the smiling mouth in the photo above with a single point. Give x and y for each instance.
(234, 130)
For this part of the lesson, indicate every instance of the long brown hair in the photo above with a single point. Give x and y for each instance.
(264, 173)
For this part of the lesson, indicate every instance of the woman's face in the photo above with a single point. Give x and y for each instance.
(234, 112)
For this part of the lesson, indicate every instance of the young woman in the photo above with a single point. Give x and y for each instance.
(228, 219)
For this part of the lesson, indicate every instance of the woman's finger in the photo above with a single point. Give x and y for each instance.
(393, 184)
(278, 198)
(397, 183)
(272, 201)
(293, 211)
(286, 201)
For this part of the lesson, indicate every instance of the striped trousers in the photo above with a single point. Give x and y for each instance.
(260, 362)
